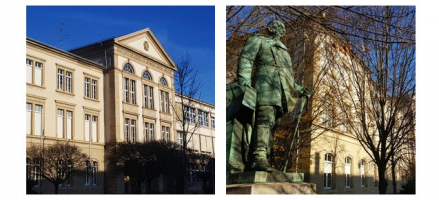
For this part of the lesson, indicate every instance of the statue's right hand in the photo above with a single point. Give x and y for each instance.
(244, 82)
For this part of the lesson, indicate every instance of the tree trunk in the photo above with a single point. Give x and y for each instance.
(149, 188)
(382, 184)
(56, 187)
(393, 175)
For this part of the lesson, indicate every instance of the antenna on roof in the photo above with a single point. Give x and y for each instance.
(62, 36)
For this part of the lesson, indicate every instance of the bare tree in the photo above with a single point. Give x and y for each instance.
(59, 161)
(187, 85)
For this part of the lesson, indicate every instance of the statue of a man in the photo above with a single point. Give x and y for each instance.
(273, 79)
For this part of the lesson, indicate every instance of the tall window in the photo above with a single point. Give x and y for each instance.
(149, 131)
(64, 124)
(59, 169)
(91, 127)
(212, 121)
(64, 80)
(180, 138)
(203, 118)
(166, 133)
(60, 79)
(87, 173)
(95, 173)
(37, 171)
(91, 88)
(164, 101)
(148, 97)
(34, 72)
(87, 87)
(28, 118)
(69, 170)
(327, 174)
(347, 171)
(28, 168)
(362, 175)
(130, 91)
(38, 119)
(130, 130)
(189, 114)
(60, 124)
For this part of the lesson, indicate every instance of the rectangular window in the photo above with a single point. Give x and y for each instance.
(69, 124)
(132, 91)
(28, 118)
(94, 89)
(37, 171)
(148, 97)
(95, 173)
(60, 124)
(87, 87)
(151, 98)
(189, 114)
(127, 95)
(34, 73)
(180, 138)
(60, 79)
(87, 127)
(146, 132)
(133, 131)
(127, 130)
(212, 122)
(167, 134)
(163, 133)
(38, 126)
(69, 170)
(68, 82)
(29, 69)
(164, 101)
(94, 129)
(38, 73)
(203, 119)
(327, 176)
(151, 129)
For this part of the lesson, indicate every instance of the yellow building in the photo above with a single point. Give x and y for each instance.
(65, 102)
(116, 90)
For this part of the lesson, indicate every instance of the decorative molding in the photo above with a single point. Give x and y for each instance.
(65, 103)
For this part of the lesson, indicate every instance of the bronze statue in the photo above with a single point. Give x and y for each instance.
(276, 90)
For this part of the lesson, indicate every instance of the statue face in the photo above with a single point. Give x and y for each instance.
(276, 29)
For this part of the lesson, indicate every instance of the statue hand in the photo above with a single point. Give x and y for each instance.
(244, 82)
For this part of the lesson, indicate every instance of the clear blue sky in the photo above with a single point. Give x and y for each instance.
(179, 29)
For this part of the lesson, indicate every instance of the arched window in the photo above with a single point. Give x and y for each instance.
(163, 81)
(362, 176)
(128, 68)
(327, 174)
(146, 75)
(347, 171)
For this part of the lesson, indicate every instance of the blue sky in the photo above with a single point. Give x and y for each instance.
(179, 29)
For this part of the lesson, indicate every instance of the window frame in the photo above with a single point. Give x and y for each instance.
(347, 172)
(91, 87)
(33, 74)
(62, 79)
(130, 129)
(35, 101)
(327, 171)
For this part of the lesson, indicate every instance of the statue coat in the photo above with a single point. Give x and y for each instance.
(273, 76)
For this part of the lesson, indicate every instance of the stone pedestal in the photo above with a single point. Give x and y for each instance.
(272, 188)
(261, 182)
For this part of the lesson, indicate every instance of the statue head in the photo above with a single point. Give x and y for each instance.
(276, 28)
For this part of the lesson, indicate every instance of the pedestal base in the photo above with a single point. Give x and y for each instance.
(272, 188)
(264, 177)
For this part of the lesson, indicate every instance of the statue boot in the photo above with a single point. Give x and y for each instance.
(260, 161)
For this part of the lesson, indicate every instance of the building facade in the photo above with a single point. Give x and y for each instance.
(117, 90)
(65, 103)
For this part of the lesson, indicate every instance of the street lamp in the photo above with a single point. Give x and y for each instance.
(126, 179)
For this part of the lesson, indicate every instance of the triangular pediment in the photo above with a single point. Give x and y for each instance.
(145, 43)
